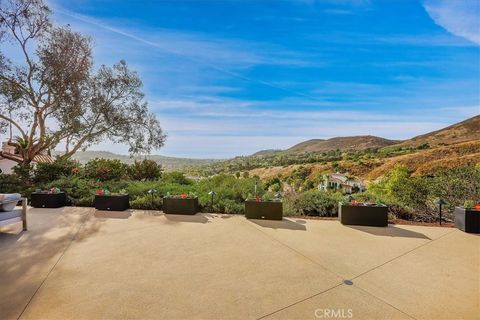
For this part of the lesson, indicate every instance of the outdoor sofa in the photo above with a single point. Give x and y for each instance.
(9, 214)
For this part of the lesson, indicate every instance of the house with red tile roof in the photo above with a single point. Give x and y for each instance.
(6, 165)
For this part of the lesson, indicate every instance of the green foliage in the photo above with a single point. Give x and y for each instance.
(86, 201)
(79, 190)
(105, 169)
(145, 170)
(146, 202)
(228, 206)
(24, 173)
(276, 187)
(176, 177)
(10, 183)
(318, 203)
(301, 173)
(457, 185)
(45, 172)
(413, 196)
(267, 197)
(468, 204)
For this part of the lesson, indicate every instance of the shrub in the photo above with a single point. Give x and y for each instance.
(468, 204)
(457, 185)
(146, 203)
(233, 207)
(24, 172)
(105, 169)
(47, 172)
(84, 202)
(314, 202)
(10, 183)
(140, 188)
(145, 170)
(411, 197)
(176, 177)
(288, 204)
(78, 189)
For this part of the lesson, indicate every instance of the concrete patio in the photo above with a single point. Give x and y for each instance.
(76, 263)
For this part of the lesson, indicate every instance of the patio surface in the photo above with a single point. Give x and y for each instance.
(78, 263)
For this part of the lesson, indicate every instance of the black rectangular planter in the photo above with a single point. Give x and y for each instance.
(268, 210)
(48, 200)
(373, 216)
(467, 220)
(112, 203)
(180, 206)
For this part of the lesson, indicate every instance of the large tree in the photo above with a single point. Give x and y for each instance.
(56, 96)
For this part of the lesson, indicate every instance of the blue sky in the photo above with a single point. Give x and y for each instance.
(230, 77)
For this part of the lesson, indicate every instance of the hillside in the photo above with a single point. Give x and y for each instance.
(454, 146)
(342, 144)
(426, 161)
(168, 163)
(267, 152)
(467, 130)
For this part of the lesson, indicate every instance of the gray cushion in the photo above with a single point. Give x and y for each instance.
(8, 201)
(10, 215)
(11, 196)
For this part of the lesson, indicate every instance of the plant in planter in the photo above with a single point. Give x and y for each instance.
(51, 198)
(180, 204)
(363, 214)
(266, 207)
(106, 200)
(467, 218)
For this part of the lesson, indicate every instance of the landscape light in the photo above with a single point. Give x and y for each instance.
(212, 194)
(152, 192)
(440, 202)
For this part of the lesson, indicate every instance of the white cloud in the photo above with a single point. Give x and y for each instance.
(459, 17)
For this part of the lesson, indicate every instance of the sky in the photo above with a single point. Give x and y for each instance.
(229, 78)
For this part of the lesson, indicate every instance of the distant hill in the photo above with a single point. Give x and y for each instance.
(267, 152)
(342, 143)
(454, 146)
(467, 130)
(168, 163)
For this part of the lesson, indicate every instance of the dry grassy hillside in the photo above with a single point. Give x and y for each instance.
(426, 161)
(453, 146)
(467, 130)
(341, 143)
(421, 162)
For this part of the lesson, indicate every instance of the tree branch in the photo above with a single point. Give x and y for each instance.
(9, 156)
(13, 122)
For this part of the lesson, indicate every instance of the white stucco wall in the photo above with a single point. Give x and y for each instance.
(7, 165)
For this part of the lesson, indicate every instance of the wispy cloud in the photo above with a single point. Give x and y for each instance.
(467, 111)
(205, 53)
(459, 17)
(226, 83)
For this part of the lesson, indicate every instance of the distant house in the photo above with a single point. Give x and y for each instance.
(6, 165)
(343, 182)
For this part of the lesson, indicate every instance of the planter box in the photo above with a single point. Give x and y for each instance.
(268, 210)
(48, 200)
(467, 220)
(112, 203)
(180, 206)
(374, 216)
